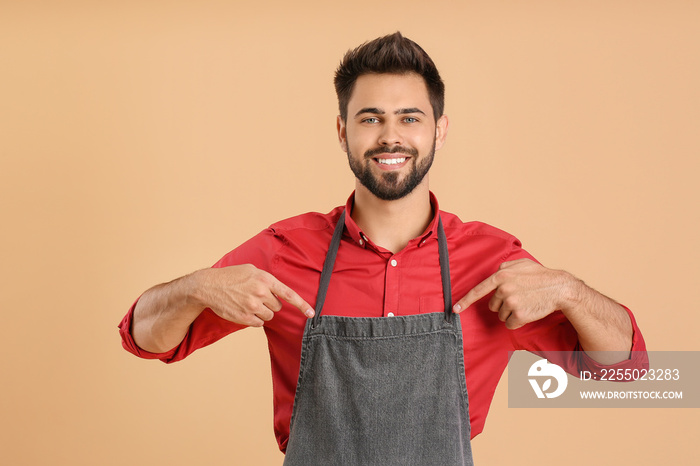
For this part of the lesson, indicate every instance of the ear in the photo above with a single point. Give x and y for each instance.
(441, 128)
(342, 135)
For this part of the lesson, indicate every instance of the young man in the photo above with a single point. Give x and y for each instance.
(384, 369)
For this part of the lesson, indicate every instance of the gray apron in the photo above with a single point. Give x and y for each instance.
(381, 390)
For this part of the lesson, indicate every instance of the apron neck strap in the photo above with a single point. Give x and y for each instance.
(333, 252)
(445, 270)
(328, 268)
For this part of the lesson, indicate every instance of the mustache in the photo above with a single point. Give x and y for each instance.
(390, 150)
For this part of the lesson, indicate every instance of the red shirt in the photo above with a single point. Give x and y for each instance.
(369, 281)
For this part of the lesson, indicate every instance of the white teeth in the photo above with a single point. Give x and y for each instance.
(392, 161)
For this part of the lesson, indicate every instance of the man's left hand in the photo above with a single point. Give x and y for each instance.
(525, 291)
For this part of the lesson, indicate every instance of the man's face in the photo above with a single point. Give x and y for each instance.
(390, 134)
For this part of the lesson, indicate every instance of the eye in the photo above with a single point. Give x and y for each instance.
(410, 120)
(370, 120)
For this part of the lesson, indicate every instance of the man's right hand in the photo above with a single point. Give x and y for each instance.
(246, 295)
(242, 294)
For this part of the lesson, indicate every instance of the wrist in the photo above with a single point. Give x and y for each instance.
(194, 290)
(573, 292)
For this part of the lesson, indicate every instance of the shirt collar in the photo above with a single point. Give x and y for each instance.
(360, 238)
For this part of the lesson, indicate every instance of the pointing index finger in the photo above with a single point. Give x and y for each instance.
(476, 293)
(287, 294)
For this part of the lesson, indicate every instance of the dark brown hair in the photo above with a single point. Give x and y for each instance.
(389, 54)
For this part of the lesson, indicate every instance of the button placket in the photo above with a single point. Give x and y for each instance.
(391, 291)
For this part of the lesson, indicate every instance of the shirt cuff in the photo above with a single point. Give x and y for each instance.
(130, 345)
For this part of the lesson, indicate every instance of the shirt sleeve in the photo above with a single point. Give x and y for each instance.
(208, 327)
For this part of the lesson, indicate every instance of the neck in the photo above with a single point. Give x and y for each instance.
(392, 224)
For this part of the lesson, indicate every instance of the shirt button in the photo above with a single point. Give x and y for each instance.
(393, 262)
(391, 314)
(362, 242)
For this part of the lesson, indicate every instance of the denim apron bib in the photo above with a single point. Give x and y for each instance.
(381, 390)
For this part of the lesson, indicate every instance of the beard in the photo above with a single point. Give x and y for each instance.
(387, 186)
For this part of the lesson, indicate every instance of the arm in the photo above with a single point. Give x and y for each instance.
(242, 294)
(525, 291)
(602, 324)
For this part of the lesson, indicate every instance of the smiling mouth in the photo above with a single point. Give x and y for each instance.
(393, 161)
(390, 163)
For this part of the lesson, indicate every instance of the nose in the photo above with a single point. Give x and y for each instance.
(390, 134)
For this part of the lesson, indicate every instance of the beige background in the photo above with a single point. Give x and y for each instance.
(143, 140)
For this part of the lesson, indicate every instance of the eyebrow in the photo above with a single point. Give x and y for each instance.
(379, 111)
(404, 111)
